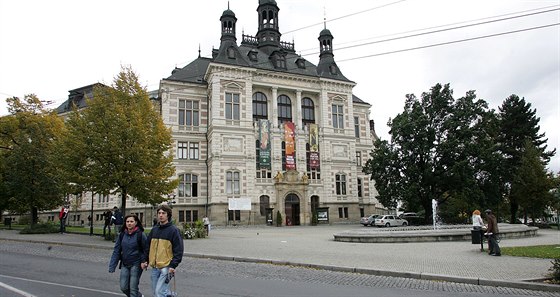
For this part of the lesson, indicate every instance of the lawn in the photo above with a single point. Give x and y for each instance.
(537, 251)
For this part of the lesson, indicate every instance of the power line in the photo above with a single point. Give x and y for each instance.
(451, 42)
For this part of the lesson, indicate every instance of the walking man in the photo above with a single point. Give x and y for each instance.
(163, 251)
(117, 219)
(107, 224)
(492, 232)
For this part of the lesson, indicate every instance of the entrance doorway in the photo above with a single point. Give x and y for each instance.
(292, 210)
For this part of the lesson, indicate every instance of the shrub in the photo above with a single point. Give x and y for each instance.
(40, 228)
(278, 219)
(555, 269)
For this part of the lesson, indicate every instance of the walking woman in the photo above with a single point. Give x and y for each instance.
(129, 250)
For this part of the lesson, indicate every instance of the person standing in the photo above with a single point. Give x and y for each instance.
(477, 226)
(492, 232)
(107, 224)
(62, 216)
(117, 220)
(163, 251)
(206, 222)
(129, 250)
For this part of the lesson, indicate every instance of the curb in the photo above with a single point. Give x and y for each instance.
(527, 285)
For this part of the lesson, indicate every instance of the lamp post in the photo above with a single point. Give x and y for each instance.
(91, 217)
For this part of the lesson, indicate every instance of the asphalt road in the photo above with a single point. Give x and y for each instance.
(32, 269)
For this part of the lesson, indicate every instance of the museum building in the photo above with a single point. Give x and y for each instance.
(259, 131)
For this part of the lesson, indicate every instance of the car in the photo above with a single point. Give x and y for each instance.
(369, 220)
(390, 220)
(404, 215)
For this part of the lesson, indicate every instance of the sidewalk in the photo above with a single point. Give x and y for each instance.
(313, 246)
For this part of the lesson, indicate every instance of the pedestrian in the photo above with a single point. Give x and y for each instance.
(89, 220)
(129, 253)
(117, 220)
(477, 224)
(206, 222)
(163, 251)
(62, 216)
(107, 224)
(492, 233)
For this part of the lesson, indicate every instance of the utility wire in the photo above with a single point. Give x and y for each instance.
(451, 42)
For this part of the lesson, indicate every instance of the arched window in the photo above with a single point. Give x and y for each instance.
(188, 185)
(284, 109)
(260, 107)
(308, 111)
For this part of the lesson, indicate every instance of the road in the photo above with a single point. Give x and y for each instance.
(32, 269)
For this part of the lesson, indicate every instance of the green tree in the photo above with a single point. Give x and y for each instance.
(518, 123)
(119, 144)
(441, 149)
(531, 185)
(29, 174)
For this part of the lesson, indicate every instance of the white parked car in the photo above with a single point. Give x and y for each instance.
(390, 220)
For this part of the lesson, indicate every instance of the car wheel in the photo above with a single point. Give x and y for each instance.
(404, 224)
(388, 225)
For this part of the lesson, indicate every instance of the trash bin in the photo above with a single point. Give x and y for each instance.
(476, 236)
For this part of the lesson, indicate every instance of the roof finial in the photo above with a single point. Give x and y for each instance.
(199, 50)
(325, 16)
(228, 5)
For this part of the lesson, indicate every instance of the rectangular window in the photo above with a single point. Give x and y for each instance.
(357, 127)
(234, 215)
(359, 159)
(181, 216)
(343, 212)
(340, 180)
(193, 151)
(182, 150)
(232, 106)
(338, 116)
(233, 183)
(188, 113)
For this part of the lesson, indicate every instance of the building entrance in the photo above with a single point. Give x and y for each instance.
(292, 210)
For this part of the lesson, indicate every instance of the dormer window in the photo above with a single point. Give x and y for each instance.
(252, 55)
(231, 52)
(333, 69)
(300, 63)
(279, 60)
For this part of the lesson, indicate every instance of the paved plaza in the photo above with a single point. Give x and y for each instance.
(314, 246)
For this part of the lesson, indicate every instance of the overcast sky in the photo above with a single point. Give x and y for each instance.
(50, 47)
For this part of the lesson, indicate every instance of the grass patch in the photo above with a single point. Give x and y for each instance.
(538, 251)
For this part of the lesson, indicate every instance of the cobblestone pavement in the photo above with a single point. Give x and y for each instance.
(192, 267)
(314, 246)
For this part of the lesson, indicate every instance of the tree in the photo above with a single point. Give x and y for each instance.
(441, 149)
(531, 184)
(518, 123)
(29, 175)
(119, 144)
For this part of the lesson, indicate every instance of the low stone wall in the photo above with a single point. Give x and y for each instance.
(425, 234)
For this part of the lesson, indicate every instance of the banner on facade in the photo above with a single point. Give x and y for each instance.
(264, 138)
(239, 204)
(289, 138)
(313, 146)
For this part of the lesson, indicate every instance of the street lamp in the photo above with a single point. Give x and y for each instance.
(91, 217)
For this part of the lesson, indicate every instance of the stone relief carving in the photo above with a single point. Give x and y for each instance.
(340, 151)
(233, 145)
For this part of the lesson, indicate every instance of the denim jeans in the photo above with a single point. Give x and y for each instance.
(130, 278)
(159, 287)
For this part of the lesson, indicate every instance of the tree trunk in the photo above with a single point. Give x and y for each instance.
(34, 217)
(123, 202)
(513, 207)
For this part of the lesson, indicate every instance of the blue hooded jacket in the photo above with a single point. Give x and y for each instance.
(127, 249)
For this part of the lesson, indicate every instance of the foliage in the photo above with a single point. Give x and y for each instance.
(555, 270)
(194, 230)
(531, 185)
(29, 179)
(40, 228)
(278, 219)
(518, 123)
(441, 148)
(538, 251)
(119, 144)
